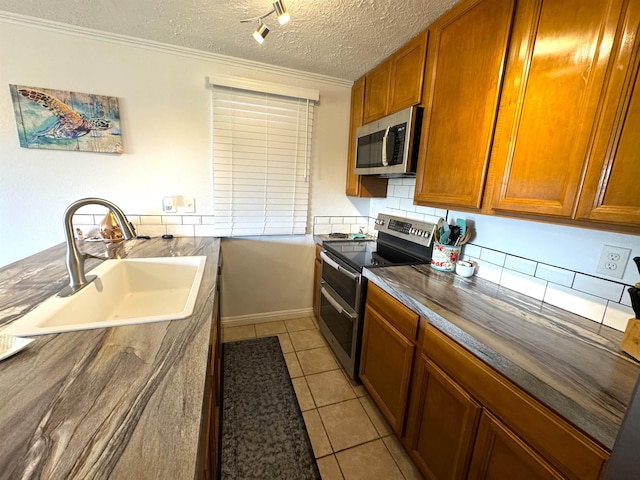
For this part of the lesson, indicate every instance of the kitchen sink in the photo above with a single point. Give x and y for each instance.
(125, 292)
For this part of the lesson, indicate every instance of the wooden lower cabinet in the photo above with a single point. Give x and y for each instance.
(500, 454)
(385, 366)
(455, 415)
(388, 345)
(443, 429)
(532, 426)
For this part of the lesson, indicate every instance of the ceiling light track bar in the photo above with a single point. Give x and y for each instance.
(253, 19)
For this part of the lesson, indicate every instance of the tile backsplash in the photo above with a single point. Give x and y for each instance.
(600, 300)
(153, 225)
(324, 225)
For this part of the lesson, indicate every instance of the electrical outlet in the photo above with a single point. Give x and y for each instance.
(613, 261)
(168, 205)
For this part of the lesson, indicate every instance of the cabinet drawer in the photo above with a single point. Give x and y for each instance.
(401, 317)
(571, 452)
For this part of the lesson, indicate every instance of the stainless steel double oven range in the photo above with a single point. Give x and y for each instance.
(343, 288)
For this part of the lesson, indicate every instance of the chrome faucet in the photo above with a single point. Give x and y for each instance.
(75, 259)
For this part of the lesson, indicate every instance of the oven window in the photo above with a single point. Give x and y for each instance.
(344, 286)
(341, 327)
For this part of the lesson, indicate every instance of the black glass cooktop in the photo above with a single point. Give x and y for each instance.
(369, 253)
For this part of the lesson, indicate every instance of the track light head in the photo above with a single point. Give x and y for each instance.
(261, 32)
(281, 12)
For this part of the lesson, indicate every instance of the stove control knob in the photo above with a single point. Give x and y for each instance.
(379, 221)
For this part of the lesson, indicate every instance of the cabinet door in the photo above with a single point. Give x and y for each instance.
(407, 74)
(557, 67)
(376, 92)
(357, 185)
(466, 53)
(446, 423)
(385, 367)
(499, 454)
(611, 192)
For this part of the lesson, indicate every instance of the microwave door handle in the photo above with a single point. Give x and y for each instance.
(385, 138)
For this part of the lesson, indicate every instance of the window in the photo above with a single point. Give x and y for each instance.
(261, 161)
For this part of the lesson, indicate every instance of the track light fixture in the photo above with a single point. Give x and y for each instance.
(261, 32)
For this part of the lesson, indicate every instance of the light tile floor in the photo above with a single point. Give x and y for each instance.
(350, 437)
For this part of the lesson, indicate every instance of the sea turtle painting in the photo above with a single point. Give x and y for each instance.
(81, 122)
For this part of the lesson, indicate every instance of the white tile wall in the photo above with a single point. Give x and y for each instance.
(526, 284)
(600, 300)
(555, 274)
(154, 225)
(597, 286)
(617, 316)
(521, 265)
(488, 271)
(492, 256)
(583, 304)
(327, 225)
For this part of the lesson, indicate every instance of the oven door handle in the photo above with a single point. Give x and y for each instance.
(335, 304)
(336, 266)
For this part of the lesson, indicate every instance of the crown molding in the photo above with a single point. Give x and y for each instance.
(24, 20)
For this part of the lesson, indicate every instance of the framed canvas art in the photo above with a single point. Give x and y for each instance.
(56, 119)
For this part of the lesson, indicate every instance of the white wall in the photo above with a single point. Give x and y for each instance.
(165, 122)
(164, 109)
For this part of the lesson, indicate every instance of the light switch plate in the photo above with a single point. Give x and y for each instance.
(189, 205)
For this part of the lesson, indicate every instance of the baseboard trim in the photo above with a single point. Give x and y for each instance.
(266, 317)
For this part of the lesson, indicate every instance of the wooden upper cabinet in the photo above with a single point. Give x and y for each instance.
(465, 62)
(376, 92)
(557, 68)
(407, 74)
(357, 185)
(611, 193)
(396, 83)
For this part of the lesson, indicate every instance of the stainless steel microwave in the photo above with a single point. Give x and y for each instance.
(389, 146)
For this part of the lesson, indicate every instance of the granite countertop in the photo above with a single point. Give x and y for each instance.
(571, 364)
(110, 403)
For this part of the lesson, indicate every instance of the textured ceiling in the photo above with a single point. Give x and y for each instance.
(338, 38)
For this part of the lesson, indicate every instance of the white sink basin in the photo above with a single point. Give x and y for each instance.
(125, 292)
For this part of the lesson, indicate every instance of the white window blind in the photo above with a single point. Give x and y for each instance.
(261, 162)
